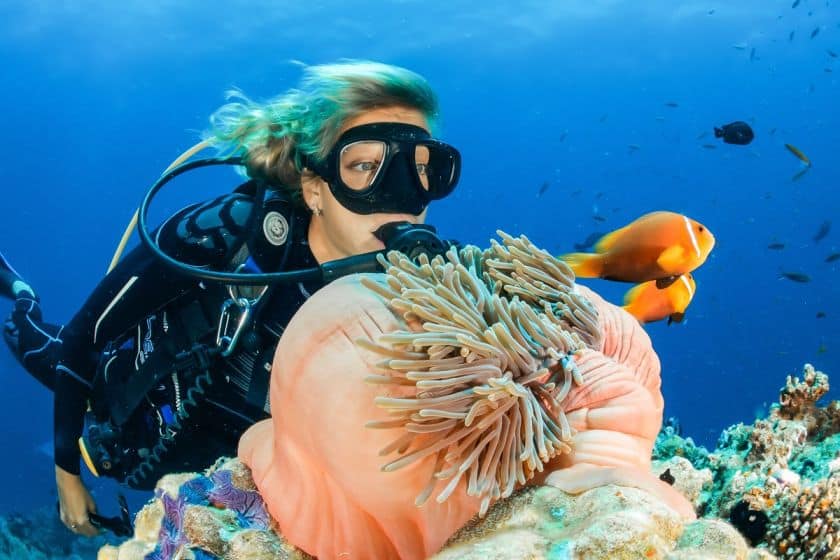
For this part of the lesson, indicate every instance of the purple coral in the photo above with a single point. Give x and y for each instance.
(172, 536)
(248, 505)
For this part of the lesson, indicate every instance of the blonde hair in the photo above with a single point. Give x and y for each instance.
(272, 136)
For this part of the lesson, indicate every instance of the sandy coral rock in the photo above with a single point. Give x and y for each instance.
(172, 483)
(262, 545)
(207, 528)
(608, 522)
(712, 537)
(129, 550)
(147, 522)
(240, 474)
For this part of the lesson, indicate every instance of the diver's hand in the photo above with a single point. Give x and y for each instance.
(74, 503)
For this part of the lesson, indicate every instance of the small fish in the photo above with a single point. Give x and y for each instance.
(563, 135)
(795, 3)
(776, 246)
(633, 147)
(657, 246)
(710, 146)
(811, 88)
(590, 240)
(599, 218)
(831, 53)
(659, 119)
(799, 174)
(543, 188)
(825, 227)
(752, 54)
(833, 257)
(822, 349)
(647, 303)
(737, 132)
(815, 32)
(821, 315)
(798, 153)
(701, 135)
(739, 46)
(790, 36)
(603, 118)
(672, 104)
(772, 131)
(667, 477)
(710, 12)
(795, 276)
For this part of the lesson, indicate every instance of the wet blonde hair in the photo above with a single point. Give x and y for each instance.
(272, 136)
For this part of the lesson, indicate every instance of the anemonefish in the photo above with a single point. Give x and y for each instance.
(647, 303)
(658, 246)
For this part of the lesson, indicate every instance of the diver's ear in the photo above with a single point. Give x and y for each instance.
(311, 186)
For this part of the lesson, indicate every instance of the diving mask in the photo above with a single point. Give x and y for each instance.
(392, 168)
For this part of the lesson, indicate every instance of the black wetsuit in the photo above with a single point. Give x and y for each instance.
(143, 303)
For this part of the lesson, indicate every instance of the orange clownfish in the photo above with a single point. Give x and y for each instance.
(658, 246)
(647, 303)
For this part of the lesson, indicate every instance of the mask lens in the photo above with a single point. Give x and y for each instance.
(360, 163)
(422, 161)
(440, 171)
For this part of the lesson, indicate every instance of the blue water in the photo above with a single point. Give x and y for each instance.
(99, 99)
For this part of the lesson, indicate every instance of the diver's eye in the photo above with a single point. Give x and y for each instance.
(365, 166)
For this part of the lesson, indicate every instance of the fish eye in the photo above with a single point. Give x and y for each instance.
(700, 228)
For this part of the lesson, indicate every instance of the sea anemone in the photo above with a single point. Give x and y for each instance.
(489, 352)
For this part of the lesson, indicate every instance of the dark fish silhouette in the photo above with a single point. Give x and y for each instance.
(752, 54)
(799, 174)
(833, 257)
(825, 227)
(710, 146)
(795, 3)
(772, 131)
(589, 241)
(737, 132)
(543, 188)
(795, 276)
(776, 246)
(790, 37)
(820, 314)
(815, 32)
(599, 218)
(673, 104)
(563, 135)
(831, 53)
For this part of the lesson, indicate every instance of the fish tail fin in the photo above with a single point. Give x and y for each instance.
(718, 132)
(631, 302)
(584, 265)
(676, 318)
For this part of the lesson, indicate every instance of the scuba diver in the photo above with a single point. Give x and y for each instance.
(168, 361)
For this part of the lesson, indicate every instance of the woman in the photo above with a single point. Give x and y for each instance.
(346, 153)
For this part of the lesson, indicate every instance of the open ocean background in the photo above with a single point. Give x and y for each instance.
(564, 115)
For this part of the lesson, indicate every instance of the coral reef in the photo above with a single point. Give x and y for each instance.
(217, 514)
(605, 523)
(777, 480)
(40, 535)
